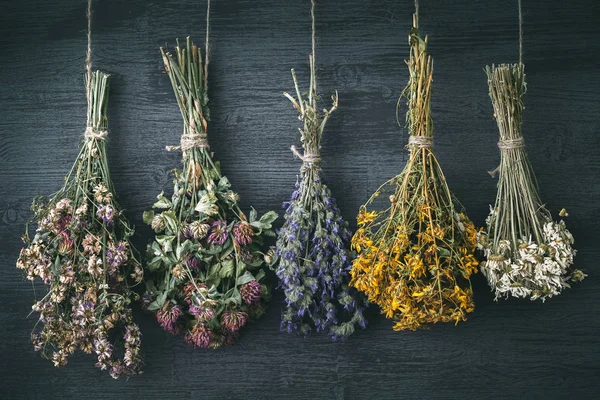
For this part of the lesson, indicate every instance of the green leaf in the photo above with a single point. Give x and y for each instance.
(162, 202)
(265, 222)
(245, 278)
(166, 241)
(159, 302)
(223, 184)
(56, 266)
(148, 216)
(155, 264)
(260, 275)
(227, 269)
(183, 248)
(171, 220)
(443, 252)
(253, 214)
(214, 271)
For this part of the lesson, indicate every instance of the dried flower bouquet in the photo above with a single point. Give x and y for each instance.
(415, 256)
(205, 261)
(81, 251)
(527, 253)
(313, 244)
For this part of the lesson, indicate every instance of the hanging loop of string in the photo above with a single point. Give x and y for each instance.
(520, 32)
(88, 63)
(90, 133)
(206, 45)
(416, 13)
(309, 158)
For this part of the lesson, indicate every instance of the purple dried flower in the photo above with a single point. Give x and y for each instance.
(202, 313)
(242, 233)
(232, 321)
(193, 263)
(200, 336)
(218, 232)
(107, 213)
(116, 256)
(168, 318)
(147, 298)
(251, 292)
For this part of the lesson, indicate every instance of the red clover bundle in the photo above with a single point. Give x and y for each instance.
(205, 262)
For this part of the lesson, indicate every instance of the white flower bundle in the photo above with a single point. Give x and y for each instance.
(527, 253)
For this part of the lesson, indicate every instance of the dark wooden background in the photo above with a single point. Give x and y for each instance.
(512, 349)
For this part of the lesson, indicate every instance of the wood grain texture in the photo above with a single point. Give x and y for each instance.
(513, 349)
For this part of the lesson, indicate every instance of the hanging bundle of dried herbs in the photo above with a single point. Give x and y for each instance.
(528, 254)
(205, 261)
(313, 244)
(415, 256)
(81, 251)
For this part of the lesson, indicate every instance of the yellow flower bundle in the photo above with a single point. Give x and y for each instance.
(415, 256)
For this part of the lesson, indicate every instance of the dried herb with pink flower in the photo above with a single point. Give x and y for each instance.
(205, 263)
(313, 245)
(80, 250)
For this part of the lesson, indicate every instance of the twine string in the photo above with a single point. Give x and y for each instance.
(421, 142)
(206, 50)
(416, 12)
(307, 158)
(88, 54)
(509, 144)
(313, 47)
(190, 141)
(520, 32)
(88, 62)
(91, 133)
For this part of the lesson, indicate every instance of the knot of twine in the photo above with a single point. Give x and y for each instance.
(91, 133)
(422, 142)
(511, 144)
(507, 144)
(190, 141)
(307, 158)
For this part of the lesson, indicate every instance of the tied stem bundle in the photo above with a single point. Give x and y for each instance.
(528, 254)
(205, 261)
(313, 244)
(415, 256)
(81, 251)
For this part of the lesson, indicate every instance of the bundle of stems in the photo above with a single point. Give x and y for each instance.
(528, 254)
(415, 257)
(313, 244)
(205, 261)
(81, 251)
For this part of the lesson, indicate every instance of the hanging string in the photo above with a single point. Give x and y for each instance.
(313, 64)
(206, 51)
(520, 33)
(88, 61)
(416, 22)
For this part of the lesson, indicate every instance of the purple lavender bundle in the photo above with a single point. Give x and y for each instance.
(312, 246)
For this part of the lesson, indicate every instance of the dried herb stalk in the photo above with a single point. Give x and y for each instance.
(313, 244)
(415, 256)
(205, 262)
(81, 251)
(528, 254)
